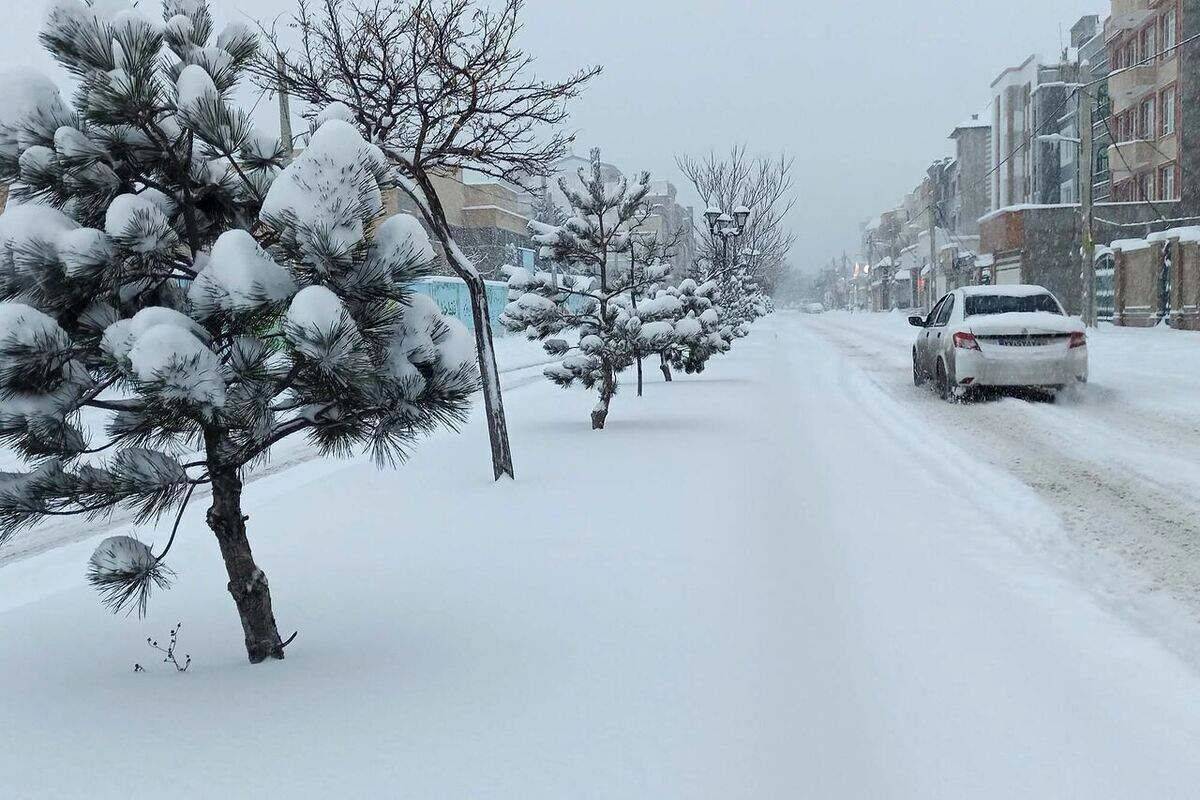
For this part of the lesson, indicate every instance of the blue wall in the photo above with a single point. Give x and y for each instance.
(452, 298)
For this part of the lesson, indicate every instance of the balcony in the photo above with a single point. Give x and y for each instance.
(1129, 86)
(1127, 15)
(1130, 158)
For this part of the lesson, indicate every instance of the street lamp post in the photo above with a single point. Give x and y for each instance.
(1086, 163)
(725, 226)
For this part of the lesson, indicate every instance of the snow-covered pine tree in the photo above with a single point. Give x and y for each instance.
(697, 328)
(739, 301)
(173, 304)
(648, 255)
(595, 243)
(545, 209)
(441, 87)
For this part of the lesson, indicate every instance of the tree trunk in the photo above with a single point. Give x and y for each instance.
(608, 388)
(493, 400)
(639, 365)
(247, 583)
(665, 366)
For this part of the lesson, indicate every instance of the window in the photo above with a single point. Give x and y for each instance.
(1167, 113)
(1166, 183)
(982, 304)
(1167, 38)
(943, 316)
(931, 320)
(1148, 43)
(1102, 162)
(1146, 128)
(1145, 186)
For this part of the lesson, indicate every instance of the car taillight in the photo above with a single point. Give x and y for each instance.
(965, 341)
(1078, 340)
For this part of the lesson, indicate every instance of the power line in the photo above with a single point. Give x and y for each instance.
(1056, 115)
(1143, 62)
(1130, 169)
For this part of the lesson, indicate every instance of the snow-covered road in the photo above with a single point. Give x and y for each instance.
(1119, 462)
(789, 578)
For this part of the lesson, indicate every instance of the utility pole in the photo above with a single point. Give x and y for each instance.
(934, 267)
(285, 111)
(1087, 168)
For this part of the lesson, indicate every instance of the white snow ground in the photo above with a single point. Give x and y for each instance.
(786, 578)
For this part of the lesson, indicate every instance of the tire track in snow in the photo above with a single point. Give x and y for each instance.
(1109, 469)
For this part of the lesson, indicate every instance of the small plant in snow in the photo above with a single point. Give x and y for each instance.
(168, 652)
(162, 270)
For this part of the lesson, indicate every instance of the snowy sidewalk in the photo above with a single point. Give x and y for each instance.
(752, 585)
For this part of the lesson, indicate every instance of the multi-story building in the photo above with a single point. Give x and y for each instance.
(489, 219)
(1154, 148)
(1012, 122)
(1088, 36)
(970, 197)
(670, 221)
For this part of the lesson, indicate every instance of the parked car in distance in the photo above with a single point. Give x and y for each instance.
(999, 336)
(814, 308)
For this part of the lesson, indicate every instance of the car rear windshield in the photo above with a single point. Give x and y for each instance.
(981, 304)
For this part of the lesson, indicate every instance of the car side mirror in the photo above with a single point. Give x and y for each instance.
(917, 321)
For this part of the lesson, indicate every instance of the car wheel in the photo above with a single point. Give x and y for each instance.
(945, 391)
(919, 378)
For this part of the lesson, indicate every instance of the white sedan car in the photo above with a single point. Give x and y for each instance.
(999, 336)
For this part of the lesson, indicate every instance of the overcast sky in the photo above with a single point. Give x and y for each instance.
(862, 94)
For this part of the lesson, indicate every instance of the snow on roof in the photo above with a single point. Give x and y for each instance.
(976, 121)
(1130, 245)
(985, 260)
(1024, 207)
(902, 275)
(1189, 233)
(1012, 290)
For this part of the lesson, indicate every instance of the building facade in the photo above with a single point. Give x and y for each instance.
(970, 196)
(1152, 147)
(1012, 122)
(1088, 36)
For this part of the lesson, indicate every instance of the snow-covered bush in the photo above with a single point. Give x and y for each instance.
(161, 268)
(597, 246)
(697, 328)
(739, 300)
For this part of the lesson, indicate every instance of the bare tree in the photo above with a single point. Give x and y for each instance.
(764, 185)
(439, 85)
